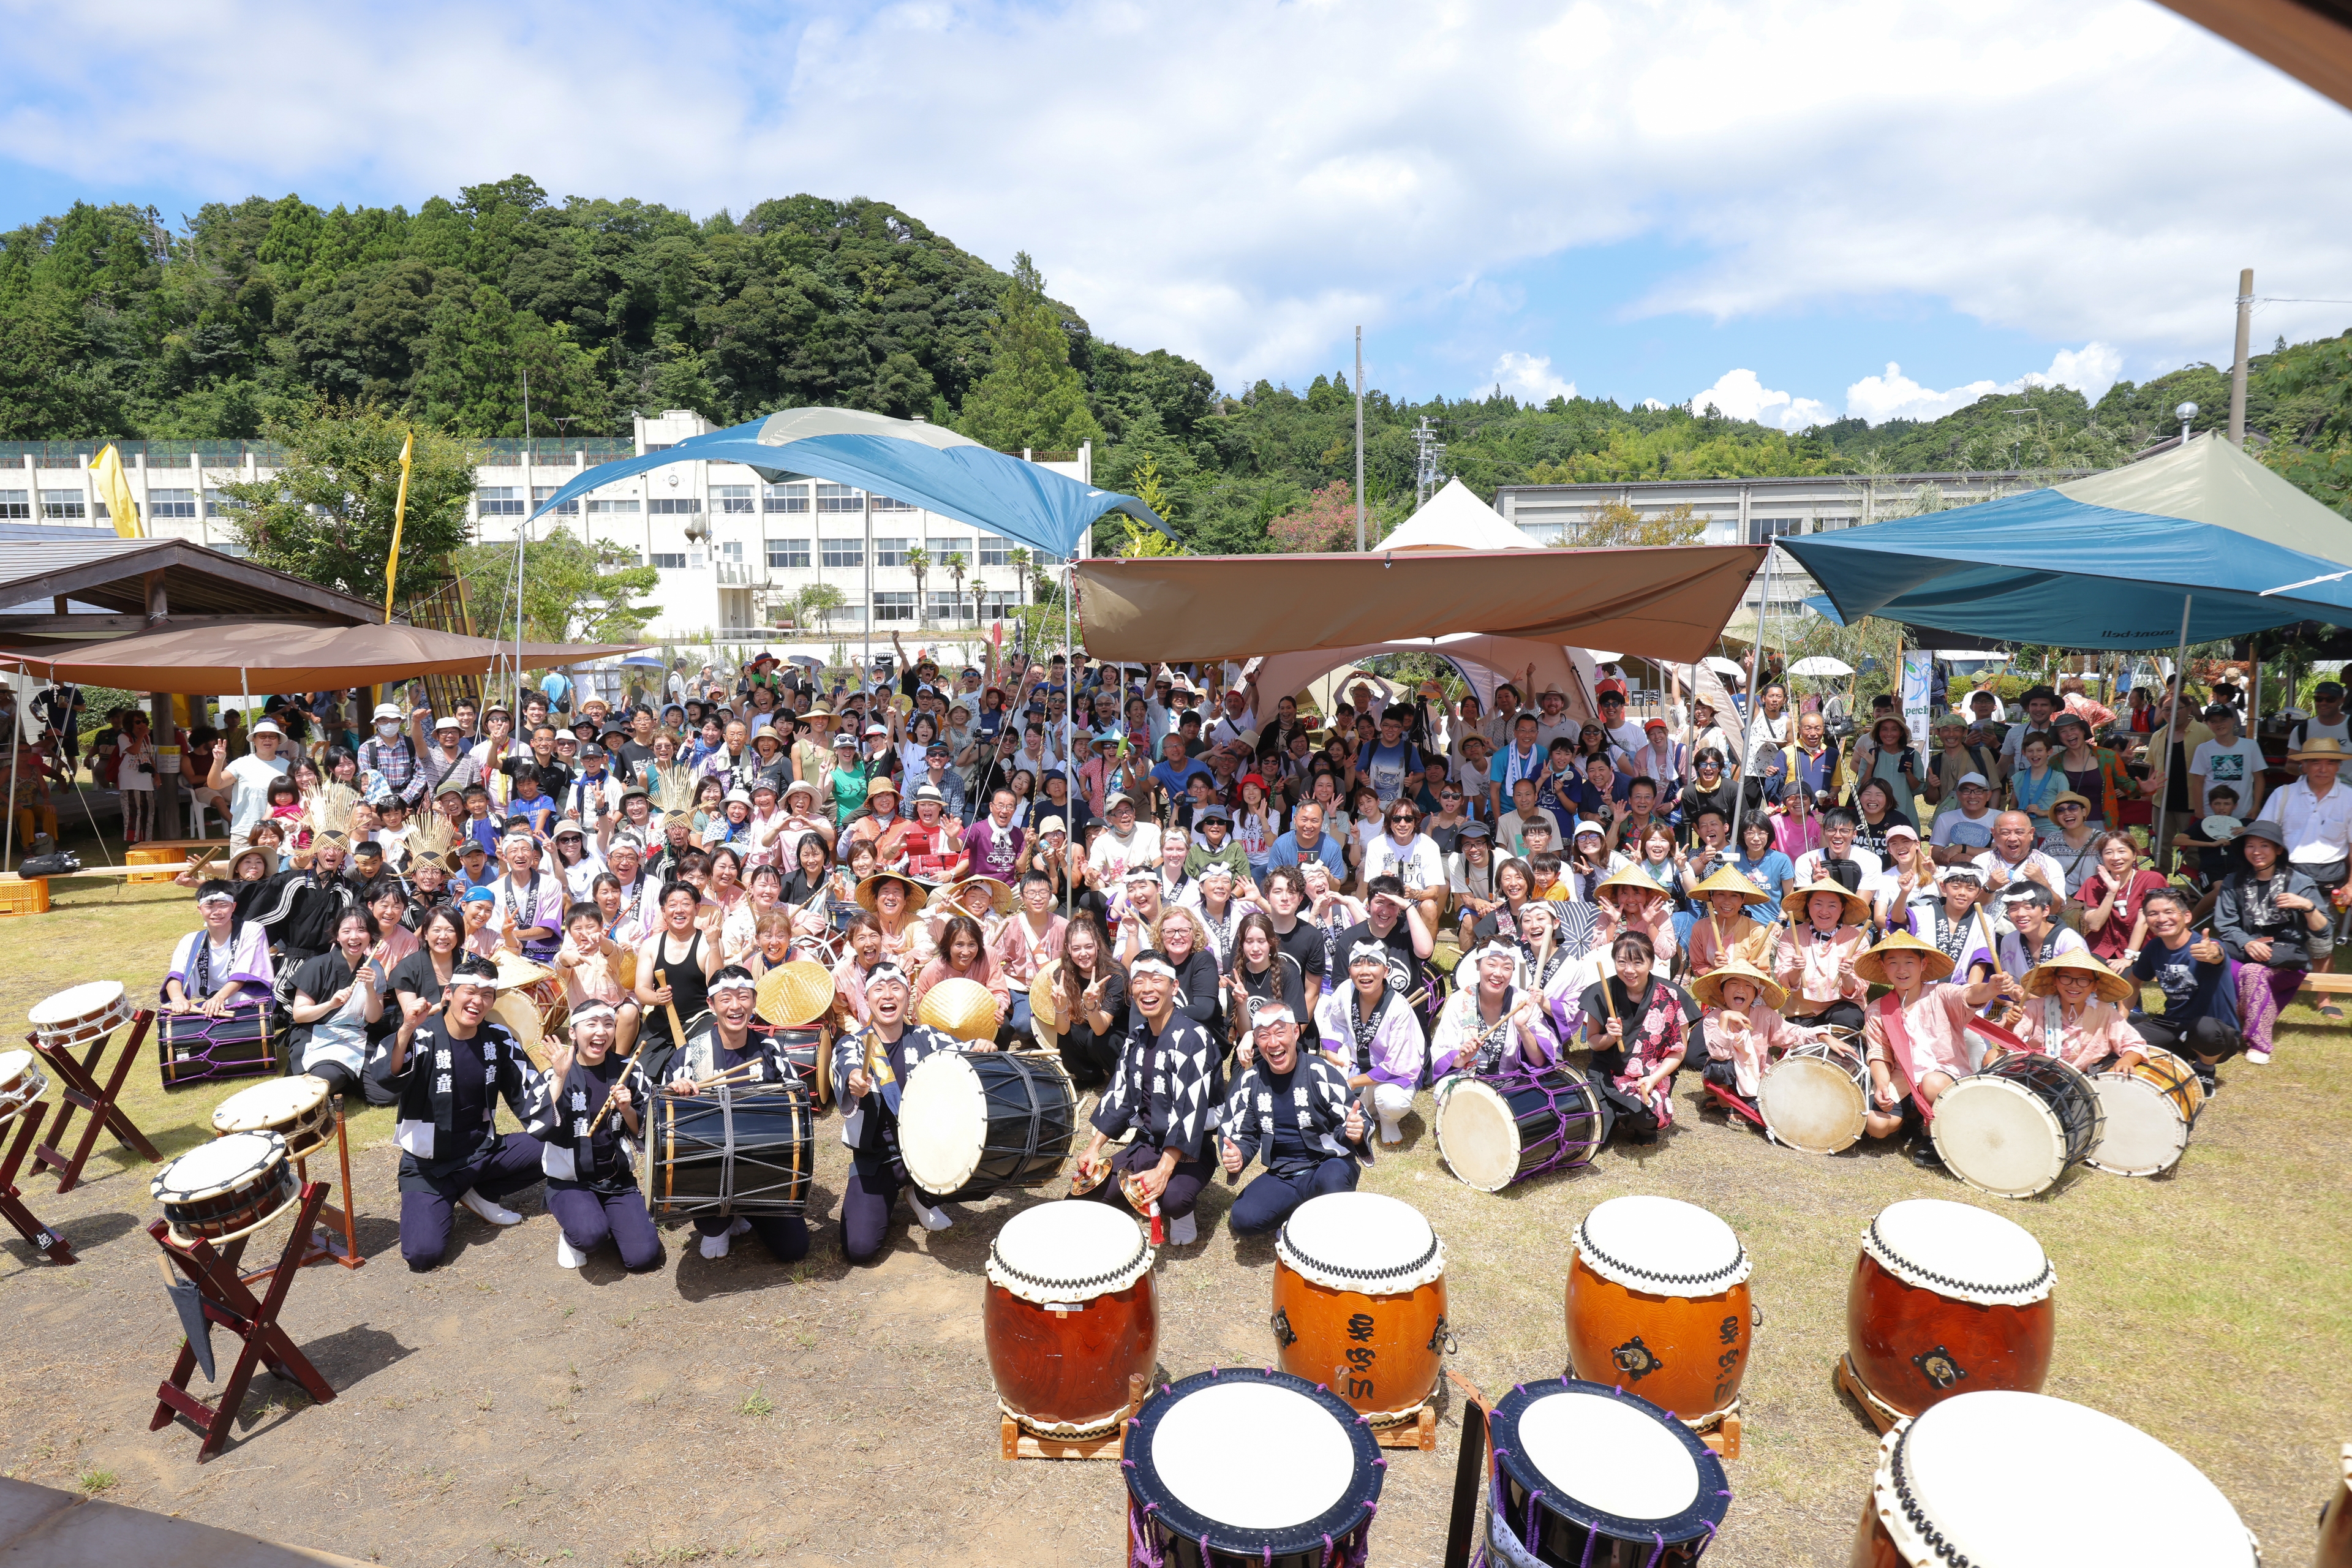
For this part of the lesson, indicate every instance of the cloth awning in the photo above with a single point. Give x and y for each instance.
(273, 655)
(2103, 561)
(2311, 40)
(1496, 658)
(922, 464)
(1664, 602)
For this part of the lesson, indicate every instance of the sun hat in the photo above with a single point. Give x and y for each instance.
(1052, 825)
(916, 896)
(1871, 966)
(2263, 828)
(2319, 749)
(1709, 987)
(1797, 902)
(1727, 880)
(2041, 979)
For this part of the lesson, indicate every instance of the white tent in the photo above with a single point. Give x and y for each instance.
(1455, 518)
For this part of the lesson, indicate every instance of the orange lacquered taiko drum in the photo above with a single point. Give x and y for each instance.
(1071, 1313)
(1997, 1479)
(1658, 1305)
(1359, 1301)
(1948, 1299)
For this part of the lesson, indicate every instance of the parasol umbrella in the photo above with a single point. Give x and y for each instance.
(1723, 667)
(643, 661)
(1821, 664)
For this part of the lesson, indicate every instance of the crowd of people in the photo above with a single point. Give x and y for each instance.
(1269, 933)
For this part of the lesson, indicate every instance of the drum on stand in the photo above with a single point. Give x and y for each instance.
(1815, 1098)
(1492, 1131)
(1995, 1478)
(723, 1152)
(2015, 1128)
(1242, 1468)
(1947, 1298)
(1359, 1301)
(197, 1047)
(81, 1015)
(301, 1110)
(22, 1082)
(229, 1187)
(972, 1123)
(1588, 1473)
(1071, 1315)
(1658, 1305)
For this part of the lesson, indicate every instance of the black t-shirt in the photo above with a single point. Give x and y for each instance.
(634, 757)
(415, 974)
(1304, 942)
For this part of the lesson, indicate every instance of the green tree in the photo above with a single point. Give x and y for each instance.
(1619, 524)
(919, 562)
(571, 593)
(327, 516)
(1019, 559)
(817, 601)
(1032, 396)
(955, 566)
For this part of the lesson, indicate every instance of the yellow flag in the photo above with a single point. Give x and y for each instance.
(114, 490)
(399, 516)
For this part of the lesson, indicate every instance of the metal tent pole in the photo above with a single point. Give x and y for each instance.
(1754, 702)
(2175, 733)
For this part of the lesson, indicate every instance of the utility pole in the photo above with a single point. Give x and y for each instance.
(1426, 451)
(1359, 424)
(2237, 369)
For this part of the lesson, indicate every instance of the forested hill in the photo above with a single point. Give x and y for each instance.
(113, 324)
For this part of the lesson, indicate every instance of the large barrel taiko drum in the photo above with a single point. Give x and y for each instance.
(1359, 1301)
(1071, 1315)
(1948, 1299)
(1658, 1304)
(1999, 1478)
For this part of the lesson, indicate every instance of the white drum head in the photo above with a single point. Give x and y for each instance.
(1366, 1242)
(1253, 1455)
(520, 1014)
(1959, 1250)
(1661, 1245)
(212, 1167)
(1812, 1104)
(272, 1104)
(2145, 1132)
(942, 1122)
(1068, 1252)
(13, 1065)
(1607, 1455)
(1478, 1137)
(2000, 1138)
(1997, 1475)
(76, 1003)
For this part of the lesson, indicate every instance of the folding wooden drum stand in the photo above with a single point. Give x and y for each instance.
(339, 1244)
(1020, 1443)
(79, 1089)
(228, 1302)
(39, 1236)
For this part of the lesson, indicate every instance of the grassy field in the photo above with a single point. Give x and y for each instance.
(504, 1408)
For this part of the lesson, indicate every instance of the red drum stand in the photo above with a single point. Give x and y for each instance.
(12, 1204)
(228, 1302)
(80, 1090)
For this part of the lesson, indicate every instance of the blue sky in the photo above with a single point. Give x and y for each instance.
(1769, 202)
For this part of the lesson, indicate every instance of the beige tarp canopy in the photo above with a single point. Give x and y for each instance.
(2311, 40)
(277, 656)
(1665, 603)
(1502, 658)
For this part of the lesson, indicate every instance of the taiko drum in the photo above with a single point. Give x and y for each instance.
(1946, 1300)
(1359, 1301)
(1071, 1315)
(1658, 1305)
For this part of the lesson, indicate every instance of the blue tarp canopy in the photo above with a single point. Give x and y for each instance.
(2104, 562)
(924, 465)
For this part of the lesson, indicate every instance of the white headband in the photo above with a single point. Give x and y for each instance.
(229, 899)
(1376, 951)
(735, 982)
(886, 973)
(1151, 966)
(590, 1011)
(1270, 1010)
(1494, 949)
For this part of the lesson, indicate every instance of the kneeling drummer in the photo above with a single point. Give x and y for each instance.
(1298, 1117)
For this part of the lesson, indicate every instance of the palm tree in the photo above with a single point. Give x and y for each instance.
(919, 562)
(1018, 558)
(978, 600)
(956, 566)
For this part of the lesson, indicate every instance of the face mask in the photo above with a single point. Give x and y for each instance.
(388, 728)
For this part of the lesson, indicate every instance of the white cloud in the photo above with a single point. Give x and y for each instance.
(1267, 176)
(1740, 394)
(2089, 370)
(1529, 378)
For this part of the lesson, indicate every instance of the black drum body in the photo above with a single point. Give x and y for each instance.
(723, 1152)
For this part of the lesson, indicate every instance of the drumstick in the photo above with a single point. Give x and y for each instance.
(676, 1029)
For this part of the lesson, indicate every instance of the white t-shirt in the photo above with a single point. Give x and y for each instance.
(135, 768)
(2316, 729)
(1630, 738)
(249, 779)
(2234, 764)
(1111, 858)
(1418, 865)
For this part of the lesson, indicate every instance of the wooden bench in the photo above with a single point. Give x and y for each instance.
(2321, 984)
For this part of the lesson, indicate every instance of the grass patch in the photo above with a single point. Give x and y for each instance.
(93, 1483)
(756, 1402)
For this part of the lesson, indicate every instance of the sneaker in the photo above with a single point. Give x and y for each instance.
(2261, 1058)
(716, 1246)
(1923, 1154)
(1186, 1231)
(932, 1218)
(566, 1254)
(489, 1211)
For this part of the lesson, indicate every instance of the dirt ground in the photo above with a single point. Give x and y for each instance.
(502, 1407)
